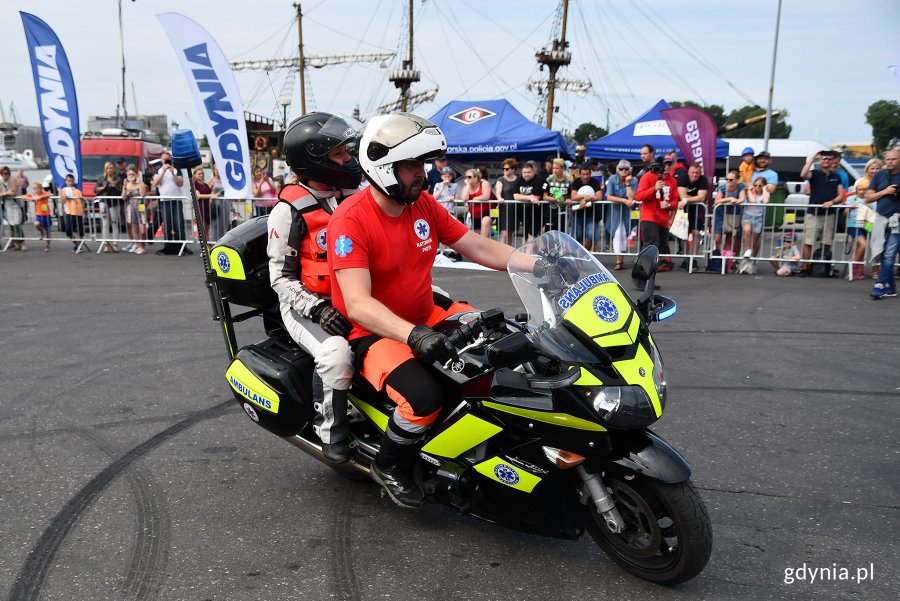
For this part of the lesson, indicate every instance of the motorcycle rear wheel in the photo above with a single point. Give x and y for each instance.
(668, 535)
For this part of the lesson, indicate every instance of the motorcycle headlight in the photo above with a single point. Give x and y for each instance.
(623, 407)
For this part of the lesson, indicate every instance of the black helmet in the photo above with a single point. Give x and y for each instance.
(310, 138)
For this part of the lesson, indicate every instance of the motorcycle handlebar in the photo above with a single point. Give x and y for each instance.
(464, 334)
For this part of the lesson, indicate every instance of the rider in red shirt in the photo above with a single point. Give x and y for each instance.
(381, 248)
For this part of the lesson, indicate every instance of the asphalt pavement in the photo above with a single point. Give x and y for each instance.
(128, 472)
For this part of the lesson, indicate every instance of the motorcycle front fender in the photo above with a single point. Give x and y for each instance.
(646, 454)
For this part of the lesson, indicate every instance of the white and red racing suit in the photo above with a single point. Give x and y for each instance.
(298, 272)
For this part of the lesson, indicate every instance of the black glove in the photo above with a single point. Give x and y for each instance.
(561, 266)
(431, 345)
(330, 320)
(541, 267)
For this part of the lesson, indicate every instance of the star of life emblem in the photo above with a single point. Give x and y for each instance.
(223, 262)
(343, 246)
(422, 229)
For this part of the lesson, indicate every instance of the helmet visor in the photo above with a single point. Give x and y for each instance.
(338, 130)
(401, 128)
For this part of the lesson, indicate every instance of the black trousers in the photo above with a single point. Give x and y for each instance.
(655, 234)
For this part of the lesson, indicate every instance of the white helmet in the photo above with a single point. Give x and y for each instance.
(389, 139)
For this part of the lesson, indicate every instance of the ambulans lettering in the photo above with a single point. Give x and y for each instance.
(252, 396)
(578, 289)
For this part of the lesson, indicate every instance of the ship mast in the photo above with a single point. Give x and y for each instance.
(403, 78)
(300, 63)
(558, 56)
(304, 61)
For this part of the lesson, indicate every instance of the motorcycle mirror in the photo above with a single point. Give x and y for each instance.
(646, 264)
(643, 275)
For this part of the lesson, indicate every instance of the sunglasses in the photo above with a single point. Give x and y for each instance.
(730, 179)
(507, 168)
(469, 177)
(624, 169)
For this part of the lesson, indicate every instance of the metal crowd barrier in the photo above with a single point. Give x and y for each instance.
(170, 220)
(159, 219)
(597, 226)
(792, 221)
(720, 229)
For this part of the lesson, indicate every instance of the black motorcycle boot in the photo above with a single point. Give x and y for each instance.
(338, 450)
(393, 469)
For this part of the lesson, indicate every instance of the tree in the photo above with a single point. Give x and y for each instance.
(884, 117)
(780, 128)
(587, 132)
(716, 111)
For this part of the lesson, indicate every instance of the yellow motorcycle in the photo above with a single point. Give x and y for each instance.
(548, 432)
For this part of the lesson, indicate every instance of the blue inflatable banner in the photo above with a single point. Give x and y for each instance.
(218, 100)
(57, 105)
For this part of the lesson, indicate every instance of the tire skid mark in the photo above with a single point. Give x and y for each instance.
(150, 551)
(150, 555)
(342, 573)
(4, 438)
(37, 566)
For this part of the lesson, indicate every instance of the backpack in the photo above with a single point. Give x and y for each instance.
(822, 270)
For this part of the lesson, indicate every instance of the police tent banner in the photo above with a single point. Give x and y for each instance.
(57, 105)
(216, 93)
(695, 134)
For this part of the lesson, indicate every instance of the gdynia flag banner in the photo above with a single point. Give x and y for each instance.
(57, 105)
(218, 100)
(695, 134)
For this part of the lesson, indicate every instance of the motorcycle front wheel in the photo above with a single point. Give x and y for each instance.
(667, 537)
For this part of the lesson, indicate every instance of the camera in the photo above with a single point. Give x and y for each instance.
(168, 161)
(656, 168)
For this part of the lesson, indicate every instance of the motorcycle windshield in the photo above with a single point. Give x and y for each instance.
(570, 286)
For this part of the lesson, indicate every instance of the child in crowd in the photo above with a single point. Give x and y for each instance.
(754, 214)
(43, 222)
(445, 191)
(74, 208)
(858, 226)
(790, 258)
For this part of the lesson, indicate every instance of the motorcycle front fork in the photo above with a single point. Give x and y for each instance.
(600, 497)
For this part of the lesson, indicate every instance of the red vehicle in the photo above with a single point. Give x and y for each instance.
(119, 146)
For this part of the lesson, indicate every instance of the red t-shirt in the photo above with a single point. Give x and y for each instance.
(398, 252)
(650, 210)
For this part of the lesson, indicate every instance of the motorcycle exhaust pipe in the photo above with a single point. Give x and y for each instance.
(315, 451)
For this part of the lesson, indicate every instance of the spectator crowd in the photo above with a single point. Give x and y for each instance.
(612, 209)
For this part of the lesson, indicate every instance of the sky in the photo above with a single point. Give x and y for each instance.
(832, 62)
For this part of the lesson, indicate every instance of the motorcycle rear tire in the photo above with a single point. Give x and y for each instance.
(668, 534)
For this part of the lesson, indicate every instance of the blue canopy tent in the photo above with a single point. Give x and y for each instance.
(649, 128)
(492, 130)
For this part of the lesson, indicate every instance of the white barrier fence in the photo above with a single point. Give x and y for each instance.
(612, 229)
(722, 236)
(113, 221)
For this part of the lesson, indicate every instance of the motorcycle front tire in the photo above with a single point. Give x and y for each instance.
(668, 535)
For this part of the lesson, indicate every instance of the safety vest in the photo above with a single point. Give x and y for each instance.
(313, 257)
